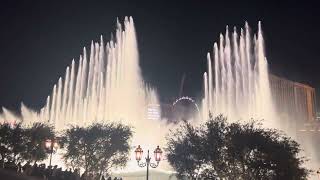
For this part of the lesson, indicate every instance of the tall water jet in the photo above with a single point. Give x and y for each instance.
(104, 86)
(109, 87)
(240, 88)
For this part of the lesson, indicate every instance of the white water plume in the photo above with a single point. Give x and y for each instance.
(237, 84)
(105, 84)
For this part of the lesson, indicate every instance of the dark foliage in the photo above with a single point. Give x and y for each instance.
(19, 143)
(35, 138)
(222, 150)
(98, 147)
(11, 143)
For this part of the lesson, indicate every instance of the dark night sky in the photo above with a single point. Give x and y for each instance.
(39, 39)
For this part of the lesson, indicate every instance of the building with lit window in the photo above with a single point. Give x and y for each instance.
(293, 99)
(296, 105)
(153, 112)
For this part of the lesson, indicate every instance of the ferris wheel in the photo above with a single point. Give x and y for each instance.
(189, 99)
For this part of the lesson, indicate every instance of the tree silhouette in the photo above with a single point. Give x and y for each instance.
(98, 147)
(35, 137)
(221, 150)
(185, 152)
(19, 143)
(11, 143)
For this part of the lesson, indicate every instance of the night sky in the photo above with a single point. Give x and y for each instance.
(39, 39)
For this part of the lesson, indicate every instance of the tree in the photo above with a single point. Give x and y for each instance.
(18, 143)
(35, 137)
(76, 146)
(221, 150)
(98, 147)
(184, 154)
(257, 152)
(11, 143)
(4, 142)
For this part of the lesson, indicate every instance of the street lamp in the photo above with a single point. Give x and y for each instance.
(157, 156)
(51, 146)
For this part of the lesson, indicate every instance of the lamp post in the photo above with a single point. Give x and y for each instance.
(157, 156)
(51, 146)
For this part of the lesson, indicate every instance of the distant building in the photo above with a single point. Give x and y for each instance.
(294, 99)
(296, 105)
(153, 112)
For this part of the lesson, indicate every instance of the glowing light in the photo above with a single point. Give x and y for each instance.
(139, 153)
(48, 143)
(157, 154)
(153, 112)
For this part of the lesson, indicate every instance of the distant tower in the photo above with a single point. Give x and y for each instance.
(182, 84)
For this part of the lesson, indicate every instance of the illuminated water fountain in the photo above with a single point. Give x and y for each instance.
(236, 83)
(104, 85)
